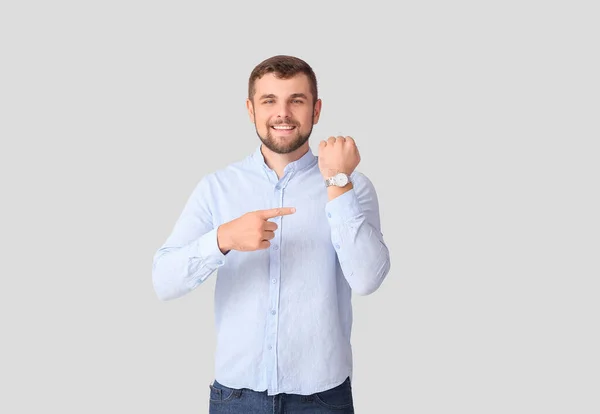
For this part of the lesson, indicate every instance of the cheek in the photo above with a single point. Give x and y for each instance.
(306, 119)
(260, 120)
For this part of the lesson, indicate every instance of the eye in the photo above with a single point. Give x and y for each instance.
(268, 101)
(299, 101)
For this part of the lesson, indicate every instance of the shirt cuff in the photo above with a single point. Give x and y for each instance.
(343, 207)
(208, 249)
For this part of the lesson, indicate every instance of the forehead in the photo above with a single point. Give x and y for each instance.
(271, 84)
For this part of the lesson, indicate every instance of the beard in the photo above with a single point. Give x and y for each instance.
(285, 145)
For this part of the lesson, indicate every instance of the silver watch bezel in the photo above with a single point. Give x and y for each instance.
(338, 180)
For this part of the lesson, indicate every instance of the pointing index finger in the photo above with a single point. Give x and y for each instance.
(275, 212)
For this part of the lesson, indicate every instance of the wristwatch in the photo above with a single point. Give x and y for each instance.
(338, 180)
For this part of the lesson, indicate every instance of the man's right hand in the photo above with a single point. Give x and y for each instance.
(252, 231)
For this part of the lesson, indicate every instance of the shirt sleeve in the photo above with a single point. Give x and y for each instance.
(356, 236)
(191, 252)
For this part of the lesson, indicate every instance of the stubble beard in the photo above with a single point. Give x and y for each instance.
(287, 145)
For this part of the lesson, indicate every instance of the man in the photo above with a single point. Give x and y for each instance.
(292, 235)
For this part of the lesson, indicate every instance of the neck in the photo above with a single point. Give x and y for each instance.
(277, 162)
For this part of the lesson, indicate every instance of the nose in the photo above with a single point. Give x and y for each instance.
(283, 111)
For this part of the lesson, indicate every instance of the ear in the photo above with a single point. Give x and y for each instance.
(250, 108)
(317, 111)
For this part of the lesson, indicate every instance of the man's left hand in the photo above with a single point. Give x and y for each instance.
(338, 154)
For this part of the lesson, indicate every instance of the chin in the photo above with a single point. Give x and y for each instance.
(281, 149)
(286, 147)
(283, 145)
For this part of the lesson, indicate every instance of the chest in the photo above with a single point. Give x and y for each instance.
(308, 225)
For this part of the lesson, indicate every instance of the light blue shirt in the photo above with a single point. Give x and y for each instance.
(283, 315)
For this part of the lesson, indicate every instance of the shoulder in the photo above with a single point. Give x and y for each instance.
(231, 173)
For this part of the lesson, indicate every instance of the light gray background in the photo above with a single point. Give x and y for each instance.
(478, 125)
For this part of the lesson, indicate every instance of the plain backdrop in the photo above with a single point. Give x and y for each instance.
(477, 122)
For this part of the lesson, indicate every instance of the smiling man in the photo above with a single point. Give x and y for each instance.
(292, 236)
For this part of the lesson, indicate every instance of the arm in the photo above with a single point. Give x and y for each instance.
(191, 252)
(353, 215)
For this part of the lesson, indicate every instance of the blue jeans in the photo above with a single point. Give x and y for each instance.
(224, 400)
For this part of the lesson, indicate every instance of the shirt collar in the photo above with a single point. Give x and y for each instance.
(303, 162)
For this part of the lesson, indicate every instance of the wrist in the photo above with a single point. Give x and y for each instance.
(334, 191)
(223, 239)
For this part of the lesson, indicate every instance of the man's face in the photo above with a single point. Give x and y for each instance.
(282, 112)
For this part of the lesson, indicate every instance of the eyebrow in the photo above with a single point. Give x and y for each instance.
(294, 95)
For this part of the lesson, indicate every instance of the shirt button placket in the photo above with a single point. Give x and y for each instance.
(275, 275)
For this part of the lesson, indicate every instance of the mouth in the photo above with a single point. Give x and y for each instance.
(283, 128)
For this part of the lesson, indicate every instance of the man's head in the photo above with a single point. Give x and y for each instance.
(283, 102)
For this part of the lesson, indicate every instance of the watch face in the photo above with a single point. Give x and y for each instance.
(341, 180)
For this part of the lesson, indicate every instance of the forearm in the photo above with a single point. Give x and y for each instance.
(178, 269)
(356, 236)
(362, 253)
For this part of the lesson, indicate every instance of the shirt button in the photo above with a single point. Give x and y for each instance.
(337, 246)
(274, 281)
(329, 215)
(272, 312)
(277, 187)
(275, 247)
(220, 262)
(270, 347)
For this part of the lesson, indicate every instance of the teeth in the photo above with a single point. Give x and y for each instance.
(283, 127)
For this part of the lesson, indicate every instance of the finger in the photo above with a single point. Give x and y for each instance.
(270, 226)
(322, 144)
(340, 138)
(330, 140)
(350, 140)
(268, 235)
(264, 244)
(276, 212)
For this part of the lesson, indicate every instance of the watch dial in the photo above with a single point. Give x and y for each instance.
(341, 180)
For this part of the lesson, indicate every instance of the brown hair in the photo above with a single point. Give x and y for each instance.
(284, 67)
